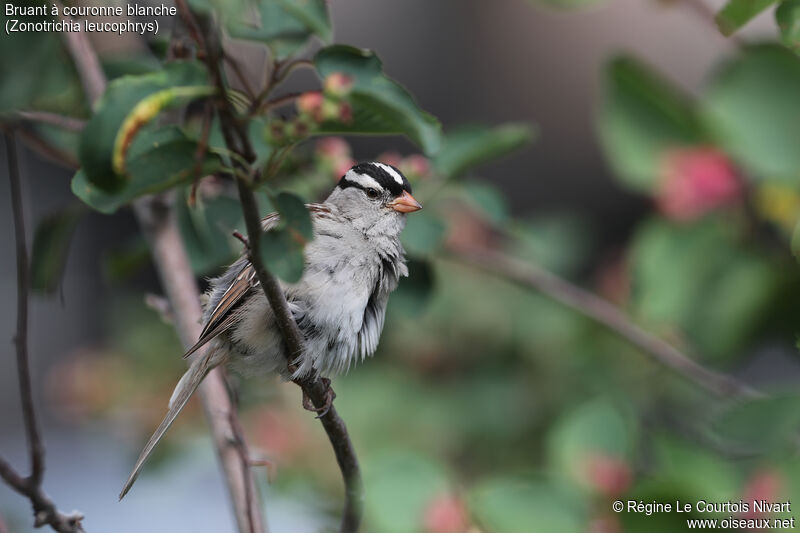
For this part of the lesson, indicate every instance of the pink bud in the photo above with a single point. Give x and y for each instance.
(445, 514)
(310, 103)
(416, 165)
(338, 84)
(694, 181)
(609, 475)
(334, 147)
(764, 485)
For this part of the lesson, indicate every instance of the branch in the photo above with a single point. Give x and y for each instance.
(313, 387)
(160, 229)
(280, 101)
(86, 61)
(21, 337)
(238, 141)
(44, 510)
(39, 145)
(52, 119)
(605, 313)
(280, 72)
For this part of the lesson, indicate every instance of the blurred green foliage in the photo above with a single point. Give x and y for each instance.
(487, 406)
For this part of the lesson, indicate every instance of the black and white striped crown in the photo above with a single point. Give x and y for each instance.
(374, 175)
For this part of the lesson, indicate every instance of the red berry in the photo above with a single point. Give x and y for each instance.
(694, 181)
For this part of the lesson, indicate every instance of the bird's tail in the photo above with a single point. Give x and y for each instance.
(183, 391)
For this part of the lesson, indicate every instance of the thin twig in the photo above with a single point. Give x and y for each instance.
(200, 152)
(278, 75)
(194, 30)
(86, 61)
(280, 100)
(172, 262)
(238, 141)
(584, 302)
(53, 119)
(282, 74)
(34, 141)
(44, 510)
(275, 161)
(313, 387)
(21, 338)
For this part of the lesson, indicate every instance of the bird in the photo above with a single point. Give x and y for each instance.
(352, 264)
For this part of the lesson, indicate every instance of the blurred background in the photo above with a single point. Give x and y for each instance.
(488, 407)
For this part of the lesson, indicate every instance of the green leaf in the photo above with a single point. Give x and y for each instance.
(701, 279)
(737, 13)
(759, 425)
(656, 489)
(641, 117)
(282, 254)
(37, 72)
(294, 215)
(256, 128)
(159, 160)
(596, 428)
(685, 471)
(380, 106)
(509, 505)
(51, 244)
(283, 25)
(788, 18)
(471, 146)
(752, 108)
(128, 64)
(129, 103)
(206, 231)
(423, 233)
(313, 13)
(401, 484)
(694, 471)
(487, 200)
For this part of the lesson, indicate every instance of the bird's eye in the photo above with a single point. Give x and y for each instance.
(372, 193)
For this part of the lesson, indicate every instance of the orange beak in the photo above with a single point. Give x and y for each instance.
(405, 203)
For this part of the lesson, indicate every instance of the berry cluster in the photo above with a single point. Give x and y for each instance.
(313, 109)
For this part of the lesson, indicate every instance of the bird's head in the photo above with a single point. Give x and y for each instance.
(375, 196)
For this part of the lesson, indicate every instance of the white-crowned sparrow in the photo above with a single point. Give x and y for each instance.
(352, 264)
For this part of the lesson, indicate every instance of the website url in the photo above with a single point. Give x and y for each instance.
(741, 523)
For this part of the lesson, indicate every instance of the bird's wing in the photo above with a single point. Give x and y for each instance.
(223, 317)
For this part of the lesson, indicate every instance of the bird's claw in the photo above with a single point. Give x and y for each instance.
(329, 397)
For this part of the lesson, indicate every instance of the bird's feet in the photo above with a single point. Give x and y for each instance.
(329, 397)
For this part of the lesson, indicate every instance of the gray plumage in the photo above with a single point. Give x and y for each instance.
(352, 265)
